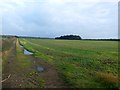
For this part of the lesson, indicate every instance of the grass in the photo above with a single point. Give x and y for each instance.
(81, 64)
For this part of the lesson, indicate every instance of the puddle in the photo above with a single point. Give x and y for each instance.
(26, 52)
(40, 69)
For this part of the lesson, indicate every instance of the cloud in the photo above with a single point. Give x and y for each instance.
(50, 18)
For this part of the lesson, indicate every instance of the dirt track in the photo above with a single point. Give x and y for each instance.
(21, 78)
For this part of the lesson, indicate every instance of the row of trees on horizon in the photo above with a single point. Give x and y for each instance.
(65, 37)
(69, 37)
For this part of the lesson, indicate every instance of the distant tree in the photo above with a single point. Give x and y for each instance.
(16, 36)
(69, 37)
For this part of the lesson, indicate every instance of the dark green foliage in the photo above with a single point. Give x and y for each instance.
(69, 37)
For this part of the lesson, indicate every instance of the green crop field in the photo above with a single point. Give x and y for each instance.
(80, 63)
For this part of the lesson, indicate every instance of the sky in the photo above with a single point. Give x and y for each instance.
(52, 18)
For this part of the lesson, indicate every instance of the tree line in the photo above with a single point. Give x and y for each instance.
(69, 37)
(65, 37)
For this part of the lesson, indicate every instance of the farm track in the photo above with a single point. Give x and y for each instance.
(17, 78)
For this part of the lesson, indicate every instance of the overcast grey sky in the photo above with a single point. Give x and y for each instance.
(51, 18)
